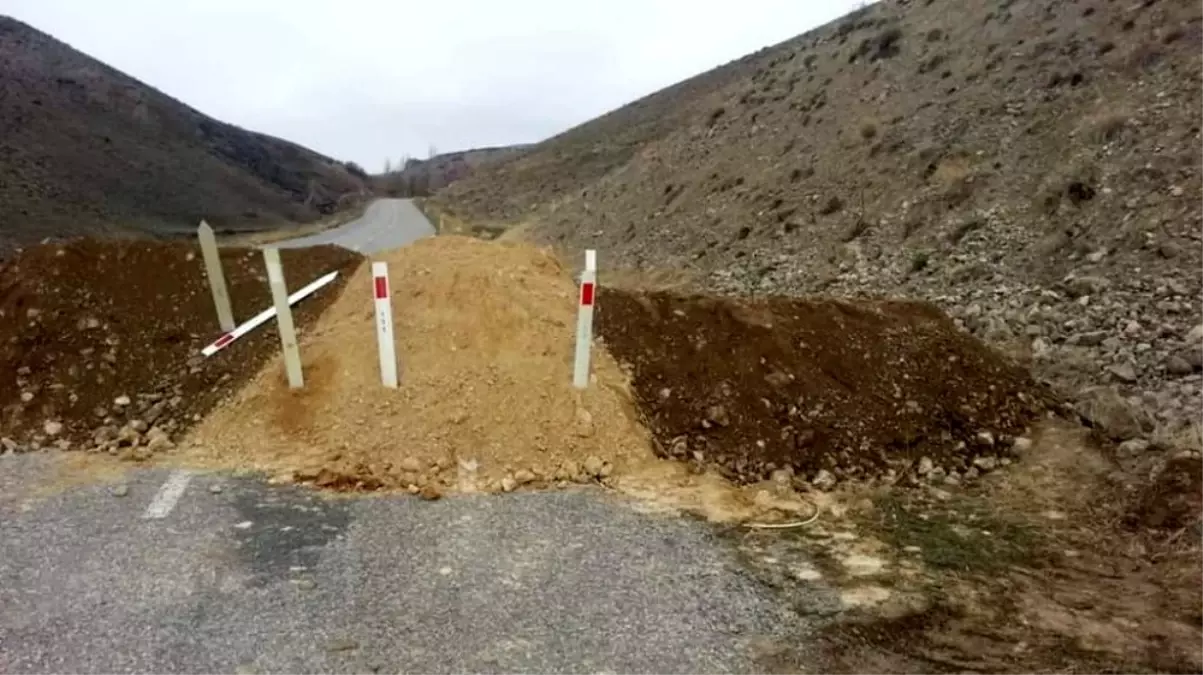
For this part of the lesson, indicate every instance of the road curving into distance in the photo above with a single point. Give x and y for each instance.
(385, 224)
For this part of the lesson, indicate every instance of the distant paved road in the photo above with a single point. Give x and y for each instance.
(386, 224)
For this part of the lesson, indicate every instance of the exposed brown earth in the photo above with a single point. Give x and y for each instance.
(86, 149)
(97, 334)
(820, 389)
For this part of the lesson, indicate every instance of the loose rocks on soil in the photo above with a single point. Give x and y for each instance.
(830, 389)
(107, 334)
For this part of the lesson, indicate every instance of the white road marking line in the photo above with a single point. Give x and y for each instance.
(165, 500)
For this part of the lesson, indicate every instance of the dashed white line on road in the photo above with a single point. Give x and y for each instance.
(168, 495)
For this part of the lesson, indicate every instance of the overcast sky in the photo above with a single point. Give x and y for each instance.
(369, 79)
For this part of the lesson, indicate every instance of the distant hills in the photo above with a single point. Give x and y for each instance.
(86, 149)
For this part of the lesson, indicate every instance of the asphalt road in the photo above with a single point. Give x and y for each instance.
(179, 576)
(261, 578)
(386, 224)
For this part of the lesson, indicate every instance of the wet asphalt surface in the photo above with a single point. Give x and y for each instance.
(255, 578)
(386, 224)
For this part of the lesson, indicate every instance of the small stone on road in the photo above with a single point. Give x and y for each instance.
(341, 645)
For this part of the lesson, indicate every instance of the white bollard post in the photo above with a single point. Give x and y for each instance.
(384, 324)
(266, 315)
(584, 321)
(217, 279)
(288, 333)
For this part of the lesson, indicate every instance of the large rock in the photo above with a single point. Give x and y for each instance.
(1105, 410)
(824, 480)
(1086, 285)
(128, 436)
(104, 434)
(1192, 357)
(925, 466)
(1092, 338)
(155, 411)
(1133, 448)
(157, 440)
(1176, 365)
(594, 466)
(1124, 372)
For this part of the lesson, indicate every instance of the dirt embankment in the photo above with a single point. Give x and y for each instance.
(103, 337)
(484, 338)
(85, 323)
(816, 386)
(821, 389)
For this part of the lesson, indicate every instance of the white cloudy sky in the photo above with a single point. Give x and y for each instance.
(370, 79)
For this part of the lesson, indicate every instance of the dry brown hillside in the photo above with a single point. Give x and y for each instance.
(1032, 167)
(85, 148)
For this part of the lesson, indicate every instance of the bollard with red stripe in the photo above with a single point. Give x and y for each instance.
(384, 324)
(584, 321)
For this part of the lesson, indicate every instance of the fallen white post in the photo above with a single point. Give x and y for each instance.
(288, 333)
(217, 279)
(265, 316)
(584, 321)
(384, 324)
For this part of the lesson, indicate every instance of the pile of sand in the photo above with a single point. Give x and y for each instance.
(484, 337)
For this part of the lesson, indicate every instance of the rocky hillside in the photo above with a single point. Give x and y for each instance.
(1031, 166)
(85, 148)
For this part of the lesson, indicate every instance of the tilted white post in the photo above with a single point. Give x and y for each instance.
(584, 321)
(384, 324)
(266, 315)
(217, 279)
(288, 333)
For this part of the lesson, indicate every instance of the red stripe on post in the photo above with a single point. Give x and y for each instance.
(224, 340)
(586, 294)
(381, 287)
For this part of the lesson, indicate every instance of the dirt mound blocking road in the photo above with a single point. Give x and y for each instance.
(848, 389)
(484, 337)
(85, 322)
